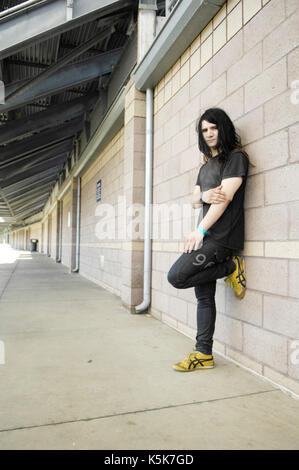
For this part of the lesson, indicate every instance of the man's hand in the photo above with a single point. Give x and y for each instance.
(193, 241)
(214, 195)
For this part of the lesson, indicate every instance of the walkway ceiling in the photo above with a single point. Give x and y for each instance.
(56, 62)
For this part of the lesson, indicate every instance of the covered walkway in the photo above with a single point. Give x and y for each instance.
(81, 372)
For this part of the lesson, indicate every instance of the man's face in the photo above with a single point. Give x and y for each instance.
(209, 133)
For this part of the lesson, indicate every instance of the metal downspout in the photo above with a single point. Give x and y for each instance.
(142, 308)
(76, 269)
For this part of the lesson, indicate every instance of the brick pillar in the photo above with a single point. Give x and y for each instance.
(27, 247)
(74, 190)
(49, 235)
(146, 27)
(57, 241)
(134, 184)
(24, 239)
(42, 239)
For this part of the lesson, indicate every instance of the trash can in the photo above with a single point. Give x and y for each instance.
(33, 244)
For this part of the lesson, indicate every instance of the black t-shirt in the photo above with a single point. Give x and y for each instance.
(228, 230)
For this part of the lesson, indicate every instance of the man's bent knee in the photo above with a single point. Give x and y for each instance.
(172, 278)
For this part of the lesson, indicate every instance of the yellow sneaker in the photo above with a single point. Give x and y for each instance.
(237, 280)
(195, 361)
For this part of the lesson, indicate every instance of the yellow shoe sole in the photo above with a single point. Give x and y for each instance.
(177, 369)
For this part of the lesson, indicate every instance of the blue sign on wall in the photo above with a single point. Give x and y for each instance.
(99, 190)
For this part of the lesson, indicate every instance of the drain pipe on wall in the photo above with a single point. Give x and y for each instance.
(76, 269)
(143, 307)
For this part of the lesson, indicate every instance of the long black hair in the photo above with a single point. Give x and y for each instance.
(228, 139)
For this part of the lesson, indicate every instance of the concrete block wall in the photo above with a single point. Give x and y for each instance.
(245, 61)
(15, 239)
(19, 242)
(20, 239)
(100, 255)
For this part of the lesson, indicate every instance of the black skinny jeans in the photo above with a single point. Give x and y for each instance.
(200, 269)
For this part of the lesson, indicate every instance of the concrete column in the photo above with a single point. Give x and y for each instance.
(42, 239)
(146, 27)
(58, 228)
(134, 183)
(27, 239)
(49, 235)
(134, 167)
(74, 189)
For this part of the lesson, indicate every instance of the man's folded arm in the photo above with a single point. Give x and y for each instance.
(195, 199)
(230, 187)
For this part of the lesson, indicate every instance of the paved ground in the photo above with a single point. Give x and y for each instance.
(81, 372)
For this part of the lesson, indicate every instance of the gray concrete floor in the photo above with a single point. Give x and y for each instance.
(81, 372)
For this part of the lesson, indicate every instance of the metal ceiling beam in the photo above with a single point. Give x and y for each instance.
(33, 162)
(55, 115)
(37, 105)
(16, 150)
(29, 211)
(28, 194)
(65, 45)
(3, 196)
(59, 64)
(26, 63)
(32, 176)
(48, 20)
(30, 202)
(68, 76)
(16, 188)
(29, 160)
